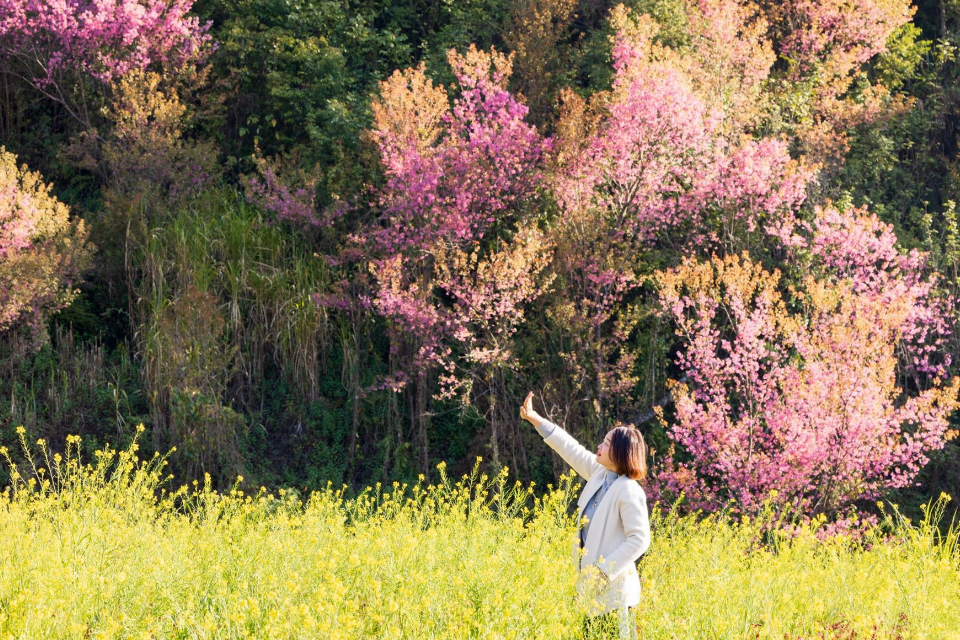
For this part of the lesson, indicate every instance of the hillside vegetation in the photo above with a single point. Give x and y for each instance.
(315, 241)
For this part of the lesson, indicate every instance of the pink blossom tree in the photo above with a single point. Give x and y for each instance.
(665, 160)
(452, 258)
(805, 408)
(42, 252)
(50, 43)
(855, 245)
(836, 35)
(826, 44)
(452, 171)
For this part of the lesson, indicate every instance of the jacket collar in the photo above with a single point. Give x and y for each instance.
(593, 485)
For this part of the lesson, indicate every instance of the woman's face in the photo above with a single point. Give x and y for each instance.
(603, 452)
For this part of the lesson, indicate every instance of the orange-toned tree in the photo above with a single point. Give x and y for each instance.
(453, 254)
(42, 252)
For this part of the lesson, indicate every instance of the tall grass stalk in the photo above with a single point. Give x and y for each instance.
(101, 550)
(220, 292)
(71, 386)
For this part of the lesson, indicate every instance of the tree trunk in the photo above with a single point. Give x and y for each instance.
(943, 18)
(423, 419)
(494, 422)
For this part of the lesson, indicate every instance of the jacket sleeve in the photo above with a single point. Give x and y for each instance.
(636, 525)
(572, 452)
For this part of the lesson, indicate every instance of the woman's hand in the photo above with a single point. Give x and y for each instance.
(527, 412)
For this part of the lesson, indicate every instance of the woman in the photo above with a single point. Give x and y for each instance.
(614, 526)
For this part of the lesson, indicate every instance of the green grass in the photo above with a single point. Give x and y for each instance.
(98, 551)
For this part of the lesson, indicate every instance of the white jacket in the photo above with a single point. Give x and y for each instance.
(619, 532)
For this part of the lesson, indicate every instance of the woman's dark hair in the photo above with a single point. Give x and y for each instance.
(629, 452)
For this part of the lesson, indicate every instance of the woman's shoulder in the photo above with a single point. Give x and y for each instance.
(632, 488)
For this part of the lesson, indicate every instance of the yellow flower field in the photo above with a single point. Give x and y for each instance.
(98, 551)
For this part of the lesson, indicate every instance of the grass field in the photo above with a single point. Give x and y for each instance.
(97, 551)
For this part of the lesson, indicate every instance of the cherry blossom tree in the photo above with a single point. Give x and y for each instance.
(42, 252)
(662, 158)
(826, 44)
(667, 160)
(49, 44)
(836, 35)
(451, 255)
(853, 244)
(804, 407)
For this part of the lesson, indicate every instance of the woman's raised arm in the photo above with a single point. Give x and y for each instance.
(572, 452)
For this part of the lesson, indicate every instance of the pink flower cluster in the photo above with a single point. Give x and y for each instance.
(20, 214)
(42, 253)
(453, 173)
(839, 34)
(489, 294)
(102, 38)
(855, 245)
(289, 195)
(804, 408)
(484, 159)
(661, 159)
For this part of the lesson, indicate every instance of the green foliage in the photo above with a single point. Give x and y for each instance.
(454, 428)
(298, 75)
(36, 130)
(593, 33)
(300, 68)
(198, 317)
(905, 165)
(457, 25)
(222, 293)
(906, 51)
(293, 442)
(73, 386)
